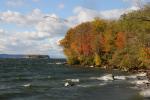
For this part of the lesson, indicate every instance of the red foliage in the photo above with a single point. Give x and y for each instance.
(121, 40)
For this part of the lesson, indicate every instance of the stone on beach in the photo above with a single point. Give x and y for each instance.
(141, 74)
(69, 84)
(140, 82)
(66, 84)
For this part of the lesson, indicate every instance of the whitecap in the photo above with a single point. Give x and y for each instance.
(108, 77)
(131, 77)
(120, 77)
(74, 80)
(27, 85)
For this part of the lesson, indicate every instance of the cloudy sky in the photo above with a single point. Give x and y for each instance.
(25, 27)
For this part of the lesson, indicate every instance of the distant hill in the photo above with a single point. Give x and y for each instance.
(23, 56)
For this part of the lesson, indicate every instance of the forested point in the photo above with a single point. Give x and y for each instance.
(122, 43)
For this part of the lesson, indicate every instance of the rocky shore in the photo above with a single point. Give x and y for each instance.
(143, 83)
(148, 74)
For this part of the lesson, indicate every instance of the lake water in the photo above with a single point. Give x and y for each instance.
(46, 82)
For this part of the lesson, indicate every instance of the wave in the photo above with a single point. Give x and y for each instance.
(107, 77)
(73, 80)
(131, 77)
(27, 85)
(120, 77)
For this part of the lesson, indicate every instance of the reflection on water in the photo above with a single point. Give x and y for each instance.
(46, 82)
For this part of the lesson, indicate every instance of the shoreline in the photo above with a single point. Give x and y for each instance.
(140, 78)
(147, 71)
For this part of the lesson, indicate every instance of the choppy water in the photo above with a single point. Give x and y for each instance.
(46, 82)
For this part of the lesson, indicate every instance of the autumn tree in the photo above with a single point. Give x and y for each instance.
(122, 43)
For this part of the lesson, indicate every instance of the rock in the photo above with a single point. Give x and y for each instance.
(142, 74)
(141, 82)
(69, 84)
(66, 84)
(148, 74)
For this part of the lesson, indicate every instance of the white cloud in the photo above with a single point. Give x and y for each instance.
(20, 19)
(35, 35)
(40, 40)
(84, 14)
(23, 44)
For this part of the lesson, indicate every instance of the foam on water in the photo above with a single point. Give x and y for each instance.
(27, 85)
(120, 77)
(131, 77)
(107, 77)
(73, 80)
(36, 83)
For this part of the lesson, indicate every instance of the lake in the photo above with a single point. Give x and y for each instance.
(35, 80)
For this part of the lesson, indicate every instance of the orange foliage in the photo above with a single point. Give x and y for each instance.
(121, 40)
(105, 41)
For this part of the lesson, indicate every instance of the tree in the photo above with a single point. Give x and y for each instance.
(120, 40)
(123, 43)
(97, 60)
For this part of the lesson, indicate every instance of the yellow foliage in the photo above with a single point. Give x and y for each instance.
(97, 60)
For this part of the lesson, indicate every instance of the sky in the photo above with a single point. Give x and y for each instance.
(37, 26)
